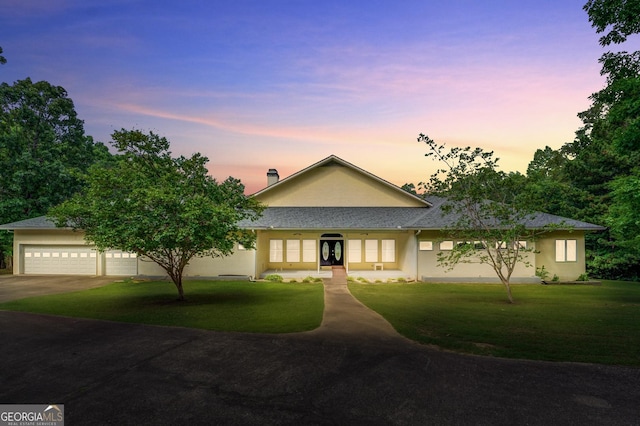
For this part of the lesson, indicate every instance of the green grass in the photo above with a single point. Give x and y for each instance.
(597, 324)
(212, 305)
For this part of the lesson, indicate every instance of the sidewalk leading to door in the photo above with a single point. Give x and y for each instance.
(346, 318)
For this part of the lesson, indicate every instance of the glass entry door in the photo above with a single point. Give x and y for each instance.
(331, 252)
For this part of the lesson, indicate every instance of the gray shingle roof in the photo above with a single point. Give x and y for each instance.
(381, 218)
(335, 217)
(41, 222)
(434, 219)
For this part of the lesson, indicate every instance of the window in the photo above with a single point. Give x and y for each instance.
(446, 245)
(275, 251)
(355, 251)
(503, 245)
(371, 250)
(293, 250)
(426, 245)
(388, 250)
(566, 250)
(309, 250)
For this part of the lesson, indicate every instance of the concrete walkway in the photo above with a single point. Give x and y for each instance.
(346, 318)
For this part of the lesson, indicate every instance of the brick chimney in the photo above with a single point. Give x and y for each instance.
(272, 177)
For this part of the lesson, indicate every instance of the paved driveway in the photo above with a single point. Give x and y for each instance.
(129, 374)
(20, 286)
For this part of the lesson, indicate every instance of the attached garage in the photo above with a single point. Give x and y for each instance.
(60, 260)
(40, 248)
(120, 263)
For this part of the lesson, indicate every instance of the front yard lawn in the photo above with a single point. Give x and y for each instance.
(597, 324)
(213, 305)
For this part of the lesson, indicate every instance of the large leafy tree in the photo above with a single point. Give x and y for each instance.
(42, 149)
(487, 214)
(594, 177)
(603, 158)
(165, 209)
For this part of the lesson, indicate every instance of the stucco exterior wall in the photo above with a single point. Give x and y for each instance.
(241, 262)
(335, 186)
(565, 270)
(428, 268)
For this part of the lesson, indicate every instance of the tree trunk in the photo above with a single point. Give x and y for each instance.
(180, 290)
(508, 287)
(176, 277)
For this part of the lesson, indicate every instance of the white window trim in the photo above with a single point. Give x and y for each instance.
(566, 250)
(370, 250)
(293, 251)
(276, 251)
(309, 250)
(425, 245)
(355, 251)
(389, 251)
(446, 245)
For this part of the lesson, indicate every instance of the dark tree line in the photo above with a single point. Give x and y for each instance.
(596, 177)
(43, 151)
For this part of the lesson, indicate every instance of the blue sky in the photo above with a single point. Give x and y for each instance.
(282, 84)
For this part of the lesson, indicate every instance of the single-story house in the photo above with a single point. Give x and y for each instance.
(330, 213)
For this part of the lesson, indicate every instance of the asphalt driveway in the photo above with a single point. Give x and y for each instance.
(129, 374)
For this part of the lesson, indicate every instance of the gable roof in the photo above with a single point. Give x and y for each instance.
(333, 159)
(425, 215)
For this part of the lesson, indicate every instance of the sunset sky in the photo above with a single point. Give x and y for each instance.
(259, 84)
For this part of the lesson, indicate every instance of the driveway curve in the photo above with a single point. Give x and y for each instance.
(125, 374)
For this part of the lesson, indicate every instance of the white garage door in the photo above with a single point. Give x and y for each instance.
(121, 263)
(61, 260)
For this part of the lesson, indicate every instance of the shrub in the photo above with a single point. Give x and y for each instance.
(542, 273)
(363, 280)
(583, 277)
(402, 280)
(274, 278)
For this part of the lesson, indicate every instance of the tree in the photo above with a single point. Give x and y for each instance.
(42, 149)
(602, 160)
(487, 214)
(623, 216)
(621, 17)
(165, 209)
(3, 60)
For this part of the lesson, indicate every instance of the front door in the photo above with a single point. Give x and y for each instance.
(331, 252)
